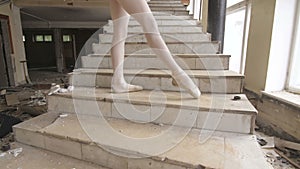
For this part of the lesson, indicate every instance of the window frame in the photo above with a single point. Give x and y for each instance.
(44, 39)
(232, 9)
(69, 40)
(296, 35)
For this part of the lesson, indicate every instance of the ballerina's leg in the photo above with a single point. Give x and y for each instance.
(120, 25)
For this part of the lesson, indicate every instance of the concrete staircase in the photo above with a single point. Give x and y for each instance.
(161, 127)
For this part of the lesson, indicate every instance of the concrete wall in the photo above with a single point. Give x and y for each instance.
(39, 54)
(42, 54)
(259, 43)
(17, 41)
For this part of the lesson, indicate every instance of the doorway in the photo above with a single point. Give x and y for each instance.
(6, 68)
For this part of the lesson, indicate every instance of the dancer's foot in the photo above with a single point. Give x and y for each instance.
(125, 87)
(182, 80)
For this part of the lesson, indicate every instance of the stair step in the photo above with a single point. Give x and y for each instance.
(211, 112)
(208, 81)
(172, 12)
(155, 4)
(166, 22)
(174, 47)
(170, 37)
(114, 142)
(142, 61)
(164, 2)
(169, 8)
(37, 158)
(162, 29)
(164, 16)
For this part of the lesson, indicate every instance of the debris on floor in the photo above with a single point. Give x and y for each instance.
(57, 89)
(279, 153)
(18, 104)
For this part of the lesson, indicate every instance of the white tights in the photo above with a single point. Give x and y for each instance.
(140, 11)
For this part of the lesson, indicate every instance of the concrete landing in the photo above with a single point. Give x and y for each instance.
(35, 158)
(65, 135)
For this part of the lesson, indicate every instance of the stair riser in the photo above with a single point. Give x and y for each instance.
(90, 152)
(196, 48)
(206, 84)
(172, 12)
(168, 8)
(165, 13)
(165, 2)
(163, 22)
(163, 16)
(208, 63)
(147, 113)
(160, 5)
(162, 29)
(197, 37)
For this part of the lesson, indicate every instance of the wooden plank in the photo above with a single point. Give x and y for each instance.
(3, 73)
(287, 144)
(12, 99)
(8, 49)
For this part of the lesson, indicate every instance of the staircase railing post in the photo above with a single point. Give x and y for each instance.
(216, 20)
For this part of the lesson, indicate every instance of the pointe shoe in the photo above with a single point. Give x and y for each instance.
(125, 88)
(182, 80)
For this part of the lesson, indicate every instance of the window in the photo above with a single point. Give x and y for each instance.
(67, 38)
(43, 38)
(294, 76)
(39, 38)
(24, 39)
(236, 33)
(48, 38)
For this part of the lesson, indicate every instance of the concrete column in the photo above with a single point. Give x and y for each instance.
(259, 43)
(216, 20)
(60, 62)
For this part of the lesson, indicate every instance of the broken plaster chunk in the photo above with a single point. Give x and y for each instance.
(54, 90)
(2, 92)
(70, 88)
(63, 90)
(3, 154)
(15, 152)
(63, 115)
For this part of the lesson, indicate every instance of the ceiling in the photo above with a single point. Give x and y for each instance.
(63, 13)
(76, 14)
